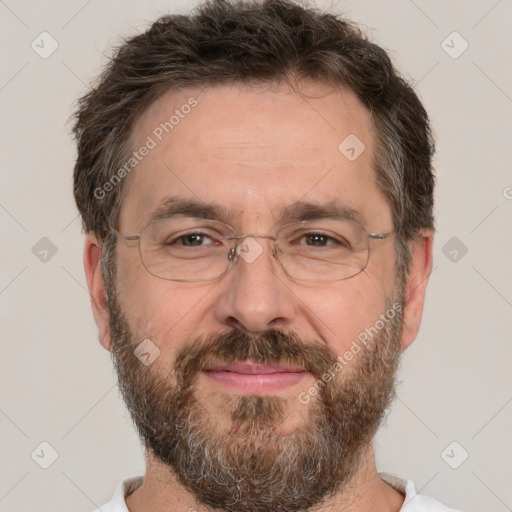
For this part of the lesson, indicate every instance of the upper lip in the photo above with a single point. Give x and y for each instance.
(253, 369)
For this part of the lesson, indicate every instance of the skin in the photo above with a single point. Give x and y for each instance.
(258, 151)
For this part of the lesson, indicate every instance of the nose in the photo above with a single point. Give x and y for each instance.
(255, 295)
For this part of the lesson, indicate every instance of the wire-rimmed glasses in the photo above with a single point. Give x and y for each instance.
(194, 249)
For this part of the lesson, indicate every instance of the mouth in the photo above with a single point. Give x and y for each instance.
(255, 378)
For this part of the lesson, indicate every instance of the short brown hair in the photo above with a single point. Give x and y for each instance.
(252, 41)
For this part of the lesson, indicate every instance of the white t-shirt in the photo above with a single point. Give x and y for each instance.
(413, 502)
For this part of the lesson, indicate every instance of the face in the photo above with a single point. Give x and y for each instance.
(255, 153)
(239, 398)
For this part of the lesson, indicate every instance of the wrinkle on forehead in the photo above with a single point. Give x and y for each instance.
(255, 152)
(281, 97)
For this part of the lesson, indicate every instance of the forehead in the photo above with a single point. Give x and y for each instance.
(253, 150)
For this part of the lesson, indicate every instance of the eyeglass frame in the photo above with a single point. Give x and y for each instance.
(233, 256)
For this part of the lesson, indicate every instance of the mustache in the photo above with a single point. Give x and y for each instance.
(238, 346)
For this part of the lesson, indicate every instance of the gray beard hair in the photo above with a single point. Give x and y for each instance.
(248, 466)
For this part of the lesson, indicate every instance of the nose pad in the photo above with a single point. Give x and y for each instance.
(234, 255)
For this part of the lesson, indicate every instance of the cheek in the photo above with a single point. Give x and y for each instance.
(166, 312)
(340, 314)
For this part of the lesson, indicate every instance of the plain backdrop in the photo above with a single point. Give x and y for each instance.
(450, 428)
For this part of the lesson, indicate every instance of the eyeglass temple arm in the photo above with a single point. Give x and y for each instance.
(380, 236)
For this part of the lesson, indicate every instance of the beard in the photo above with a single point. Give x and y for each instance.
(242, 457)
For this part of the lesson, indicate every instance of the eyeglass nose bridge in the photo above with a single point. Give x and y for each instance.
(233, 255)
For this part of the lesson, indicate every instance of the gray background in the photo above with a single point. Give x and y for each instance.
(56, 382)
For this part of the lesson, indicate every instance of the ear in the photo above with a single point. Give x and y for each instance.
(97, 292)
(419, 272)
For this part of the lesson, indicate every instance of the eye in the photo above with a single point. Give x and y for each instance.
(317, 239)
(321, 240)
(195, 239)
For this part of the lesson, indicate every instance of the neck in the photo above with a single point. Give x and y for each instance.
(366, 492)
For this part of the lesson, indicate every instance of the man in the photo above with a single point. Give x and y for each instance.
(256, 187)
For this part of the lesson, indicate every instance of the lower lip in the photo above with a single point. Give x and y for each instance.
(253, 383)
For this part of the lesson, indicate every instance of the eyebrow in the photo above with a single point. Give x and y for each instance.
(174, 206)
(305, 210)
